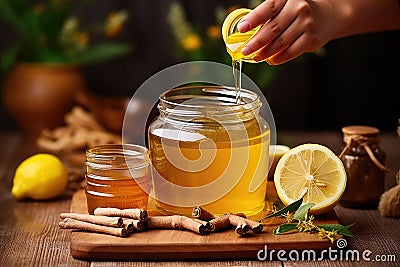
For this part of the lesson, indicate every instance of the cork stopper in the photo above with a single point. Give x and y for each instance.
(360, 130)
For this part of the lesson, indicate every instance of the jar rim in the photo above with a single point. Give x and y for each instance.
(123, 149)
(195, 100)
(129, 155)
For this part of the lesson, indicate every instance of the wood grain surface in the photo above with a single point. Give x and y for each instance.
(29, 233)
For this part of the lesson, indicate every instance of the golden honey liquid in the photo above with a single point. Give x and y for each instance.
(237, 77)
(234, 44)
(245, 161)
(235, 41)
(118, 188)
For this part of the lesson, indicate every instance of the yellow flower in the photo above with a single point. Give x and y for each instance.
(214, 32)
(114, 23)
(288, 217)
(331, 235)
(191, 42)
(70, 25)
(307, 224)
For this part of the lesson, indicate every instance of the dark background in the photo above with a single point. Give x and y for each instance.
(355, 81)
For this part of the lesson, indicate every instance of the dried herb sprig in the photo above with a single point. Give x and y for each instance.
(305, 222)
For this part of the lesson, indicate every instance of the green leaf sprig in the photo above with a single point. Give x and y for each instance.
(301, 221)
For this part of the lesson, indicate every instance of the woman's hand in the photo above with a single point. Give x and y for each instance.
(291, 28)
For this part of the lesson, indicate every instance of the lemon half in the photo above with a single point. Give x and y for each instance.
(235, 40)
(311, 171)
(40, 177)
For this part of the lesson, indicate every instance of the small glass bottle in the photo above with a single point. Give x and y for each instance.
(364, 162)
(117, 176)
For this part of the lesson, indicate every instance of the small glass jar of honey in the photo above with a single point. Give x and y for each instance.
(117, 176)
(364, 162)
(209, 150)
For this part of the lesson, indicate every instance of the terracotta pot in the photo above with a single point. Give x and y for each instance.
(39, 95)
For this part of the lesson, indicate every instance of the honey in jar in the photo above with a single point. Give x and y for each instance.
(208, 150)
(364, 162)
(117, 176)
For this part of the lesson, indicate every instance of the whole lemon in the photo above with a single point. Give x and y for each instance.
(40, 177)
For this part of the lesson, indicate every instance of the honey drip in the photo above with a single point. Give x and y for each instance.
(237, 76)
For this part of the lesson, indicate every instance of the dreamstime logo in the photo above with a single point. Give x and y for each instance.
(341, 243)
(338, 254)
(141, 110)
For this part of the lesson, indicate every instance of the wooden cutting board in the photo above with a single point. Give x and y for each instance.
(179, 244)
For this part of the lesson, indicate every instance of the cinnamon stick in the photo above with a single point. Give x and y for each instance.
(239, 214)
(138, 214)
(242, 228)
(220, 222)
(129, 228)
(101, 220)
(242, 225)
(69, 223)
(176, 222)
(239, 222)
(236, 220)
(209, 226)
(134, 224)
(202, 214)
(256, 227)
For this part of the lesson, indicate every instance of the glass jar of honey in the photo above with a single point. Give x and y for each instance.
(208, 150)
(364, 162)
(117, 176)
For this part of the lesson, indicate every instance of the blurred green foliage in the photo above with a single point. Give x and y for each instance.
(49, 32)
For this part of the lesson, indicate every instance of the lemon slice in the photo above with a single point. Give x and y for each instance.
(230, 23)
(311, 171)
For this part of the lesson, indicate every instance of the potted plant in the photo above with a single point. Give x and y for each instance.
(41, 71)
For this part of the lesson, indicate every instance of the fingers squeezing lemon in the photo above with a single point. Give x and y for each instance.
(40, 177)
(313, 172)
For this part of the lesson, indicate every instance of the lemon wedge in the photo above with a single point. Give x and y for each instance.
(312, 172)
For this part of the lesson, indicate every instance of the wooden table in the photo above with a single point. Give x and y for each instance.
(29, 233)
